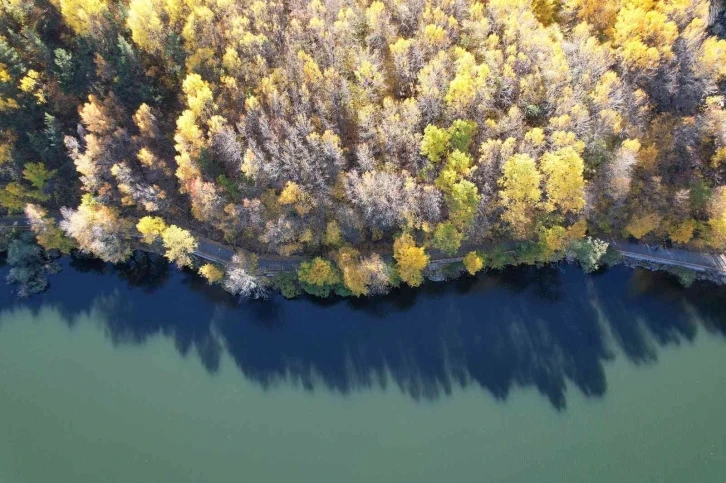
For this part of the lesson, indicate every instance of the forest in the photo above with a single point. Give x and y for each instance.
(362, 136)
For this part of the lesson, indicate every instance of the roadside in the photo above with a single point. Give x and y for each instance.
(710, 266)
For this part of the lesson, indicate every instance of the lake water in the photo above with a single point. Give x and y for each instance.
(145, 374)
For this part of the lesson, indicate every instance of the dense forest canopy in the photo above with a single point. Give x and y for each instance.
(349, 129)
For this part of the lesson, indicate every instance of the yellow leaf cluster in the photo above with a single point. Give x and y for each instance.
(410, 259)
(211, 272)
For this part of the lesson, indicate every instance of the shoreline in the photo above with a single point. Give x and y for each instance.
(687, 265)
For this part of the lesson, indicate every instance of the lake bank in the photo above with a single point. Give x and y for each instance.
(686, 265)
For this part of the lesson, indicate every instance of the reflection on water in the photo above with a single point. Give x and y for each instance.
(544, 328)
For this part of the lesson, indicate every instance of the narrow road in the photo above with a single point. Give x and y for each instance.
(697, 261)
(19, 221)
(218, 253)
(269, 264)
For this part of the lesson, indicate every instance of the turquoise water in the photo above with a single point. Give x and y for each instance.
(507, 378)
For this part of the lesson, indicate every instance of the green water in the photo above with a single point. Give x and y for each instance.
(74, 408)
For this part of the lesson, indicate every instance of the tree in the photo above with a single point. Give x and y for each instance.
(151, 227)
(179, 245)
(98, 230)
(644, 36)
(588, 252)
(564, 182)
(318, 277)
(29, 266)
(292, 194)
(619, 171)
(447, 238)
(473, 263)
(355, 277)
(435, 142)
(287, 284)
(546, 10)
(717, 219)
(211, 272)
(600, 14)
(83, 16)
(461, 134)
(683, 232)
(332, 236)
(47, 233)
(641, 224)
(240, 279)
(410, 260)
(376, 273)
(147, 28)
(463, 201)
(383, 198)
(520, 194)
(15, 196)
(38, 176)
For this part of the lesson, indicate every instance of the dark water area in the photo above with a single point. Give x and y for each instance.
(526, 326)
(142, 373)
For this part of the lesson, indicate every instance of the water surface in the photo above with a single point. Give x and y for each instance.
(139, 373)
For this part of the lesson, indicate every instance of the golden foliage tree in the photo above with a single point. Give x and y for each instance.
(151, 228)
(179, 245)
(410, 260)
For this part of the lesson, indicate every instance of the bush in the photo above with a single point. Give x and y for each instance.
(287, 284)
(685, 276)
(588, 253)
(29, 266)
(611, 257)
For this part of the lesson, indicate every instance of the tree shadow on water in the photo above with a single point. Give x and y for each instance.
(551, 328)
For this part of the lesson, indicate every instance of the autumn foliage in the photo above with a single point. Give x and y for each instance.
(338, 129)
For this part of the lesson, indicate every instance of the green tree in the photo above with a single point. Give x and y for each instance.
(447, 238)
(588, 252)
(461, 133)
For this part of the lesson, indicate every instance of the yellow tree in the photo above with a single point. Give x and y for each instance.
(148, 30)
(546, 10)
(601, 14)
(564, 182)
(318, 272)
(520, 192)
(682, 232)
(292, 194)
(83, 16)
(643, 35)
(179, 245)
(473, 263)
(318, 277)
(211, 272)
(410, 259)
(151, 227)
(641, 224)
(435, 142)
(355, 277)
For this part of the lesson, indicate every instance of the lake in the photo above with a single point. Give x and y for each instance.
(140, 373)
